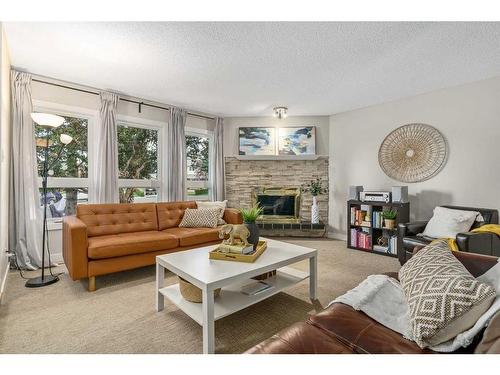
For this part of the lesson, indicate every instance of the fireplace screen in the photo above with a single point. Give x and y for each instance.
(278, 204)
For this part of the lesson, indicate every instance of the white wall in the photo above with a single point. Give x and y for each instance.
(231, 125)
(4, 155)
(469, 118)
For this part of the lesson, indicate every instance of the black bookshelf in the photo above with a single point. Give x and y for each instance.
(403, 216)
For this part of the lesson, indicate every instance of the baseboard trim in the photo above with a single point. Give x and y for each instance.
(4, 282)
(337, 236)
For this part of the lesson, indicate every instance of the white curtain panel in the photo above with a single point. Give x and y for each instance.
(106, 171)
(25, 230)
(218, 161)
(176, 159)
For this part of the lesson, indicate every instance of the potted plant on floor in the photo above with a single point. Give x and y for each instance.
(315, 187)
(389, 219)
(250, 216)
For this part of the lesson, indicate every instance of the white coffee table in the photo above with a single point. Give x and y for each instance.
(208, 275)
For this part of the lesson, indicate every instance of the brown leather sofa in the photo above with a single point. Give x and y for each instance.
(107, 238)
(342, 330)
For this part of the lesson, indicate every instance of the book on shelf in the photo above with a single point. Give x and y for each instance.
(361, 215)
(381, 249)
(361, 239)
(393, 245)
(255, 287)
(377, 219)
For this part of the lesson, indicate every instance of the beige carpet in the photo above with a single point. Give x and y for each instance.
(120, 316)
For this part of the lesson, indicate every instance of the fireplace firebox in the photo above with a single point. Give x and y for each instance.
(279, 204)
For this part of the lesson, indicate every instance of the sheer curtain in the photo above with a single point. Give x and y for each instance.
(106, 171)
(217, 158)
(176, 159)
(25, 214)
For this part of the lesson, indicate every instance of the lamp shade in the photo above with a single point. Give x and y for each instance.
(47, 119)
(66, 139)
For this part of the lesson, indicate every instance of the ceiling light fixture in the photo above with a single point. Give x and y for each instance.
(280, 112)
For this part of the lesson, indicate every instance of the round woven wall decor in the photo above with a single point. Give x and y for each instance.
(413, 153)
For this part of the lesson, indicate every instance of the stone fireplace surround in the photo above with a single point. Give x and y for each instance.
(243, 176)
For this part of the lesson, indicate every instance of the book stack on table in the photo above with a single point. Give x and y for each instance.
(236, 249)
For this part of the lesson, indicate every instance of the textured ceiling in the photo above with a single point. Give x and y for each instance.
(244, 69)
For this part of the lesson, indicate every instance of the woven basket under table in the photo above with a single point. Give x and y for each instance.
(191, 292)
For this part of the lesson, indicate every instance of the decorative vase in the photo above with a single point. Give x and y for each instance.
(253, 228)
(390, 224)
(315, 211)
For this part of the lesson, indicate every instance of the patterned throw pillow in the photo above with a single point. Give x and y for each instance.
(199, 218)
(444, 298)
(220, 205)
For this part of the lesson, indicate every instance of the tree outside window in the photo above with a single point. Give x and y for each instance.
(137, 160)
(197, 155)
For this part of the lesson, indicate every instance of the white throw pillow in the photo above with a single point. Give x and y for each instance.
(221, 205)
(447, 223)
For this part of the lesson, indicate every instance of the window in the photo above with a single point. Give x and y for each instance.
(68, 165)
(138, 163)
(198, 184)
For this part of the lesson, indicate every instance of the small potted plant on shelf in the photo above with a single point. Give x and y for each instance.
(250, 216)
(315, 187)
(389, 219)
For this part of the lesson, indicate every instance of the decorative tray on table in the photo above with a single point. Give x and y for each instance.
(247, 258)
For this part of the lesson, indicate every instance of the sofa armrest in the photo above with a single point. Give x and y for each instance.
(408, 229)
(75, 247)
(232, 216)
(413, 228)
(476, 264)
(480, 243)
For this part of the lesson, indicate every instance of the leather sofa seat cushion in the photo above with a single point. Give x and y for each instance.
(106, 219)
(130, 243)
(301, 338)
(194, 236)
(170, 213)
(362, 332)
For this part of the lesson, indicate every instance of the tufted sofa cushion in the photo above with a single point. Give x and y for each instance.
(170, 213)
(106, 219)
(117, 245)
(194, 236)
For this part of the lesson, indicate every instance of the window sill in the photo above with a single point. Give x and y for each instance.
(54, 224)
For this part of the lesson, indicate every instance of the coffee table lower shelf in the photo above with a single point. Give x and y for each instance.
(231, 299)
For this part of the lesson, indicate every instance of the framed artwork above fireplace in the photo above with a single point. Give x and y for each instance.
(257, 141)
(279, 142)
(297, 141)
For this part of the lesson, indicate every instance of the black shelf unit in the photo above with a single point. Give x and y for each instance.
(403, 216)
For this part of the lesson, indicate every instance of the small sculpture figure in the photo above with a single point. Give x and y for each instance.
(239, 231)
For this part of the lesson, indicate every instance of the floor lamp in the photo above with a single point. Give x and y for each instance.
(48, 122)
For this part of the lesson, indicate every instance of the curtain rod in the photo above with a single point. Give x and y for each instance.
(123, 99)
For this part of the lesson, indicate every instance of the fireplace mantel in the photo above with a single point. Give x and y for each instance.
(277, 157)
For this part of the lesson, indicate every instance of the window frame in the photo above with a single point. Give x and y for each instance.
(70, 182)
(160, 127)
(197, 132)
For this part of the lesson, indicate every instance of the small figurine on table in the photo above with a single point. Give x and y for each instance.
(238, 231)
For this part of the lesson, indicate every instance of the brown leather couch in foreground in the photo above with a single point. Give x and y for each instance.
(342, 330)
(107, 238)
